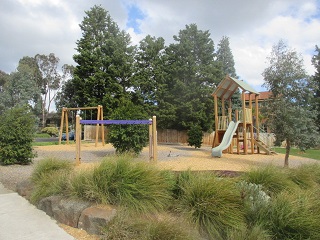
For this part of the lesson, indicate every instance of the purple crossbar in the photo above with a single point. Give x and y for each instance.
(108, 122)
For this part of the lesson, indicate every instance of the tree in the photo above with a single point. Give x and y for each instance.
(104, 62)
(20, 86)
(289, 112)
(17, 130)
(49, 82)
(149, 74)
(316, 79)
(225, 57)
(192, 74)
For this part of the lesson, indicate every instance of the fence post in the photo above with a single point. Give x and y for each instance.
(154, 136)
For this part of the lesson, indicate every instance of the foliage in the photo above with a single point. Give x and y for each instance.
(128, 138)
(316, 79)
(272, 179)
(191, 76)
(225, 57)
(52, 131)
(104, 63)
(48, 165)
(50, 177)
(212, 205)
(120, 181)
(288, 112)
(255, 232)
(17, 130)
(128, 226)
(293, 216)
(195, 135)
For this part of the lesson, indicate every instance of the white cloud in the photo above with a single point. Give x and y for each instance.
(29, 27)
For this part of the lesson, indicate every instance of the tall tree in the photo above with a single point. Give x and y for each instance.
(149, 74)
(50, 81)
(104, 61)
(192, 75)
(20, 86)
(316, 79)
(225, 57)
(289, 111)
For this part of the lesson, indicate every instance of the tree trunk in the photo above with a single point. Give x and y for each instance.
(286, 158)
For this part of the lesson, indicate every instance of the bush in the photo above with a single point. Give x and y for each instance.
(212, 204)
(195, 135)
(17, 131)
(272, 179)
(128, 138)
(52, 131)
(137, 186)
(50, 176)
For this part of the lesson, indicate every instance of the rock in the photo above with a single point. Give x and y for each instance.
(66, 211)
(95, 217)
(24, 189)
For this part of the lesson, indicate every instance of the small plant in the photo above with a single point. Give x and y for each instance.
(212, 204)
(134, 185)
(195, 135)
(272, 179)
(52, 131)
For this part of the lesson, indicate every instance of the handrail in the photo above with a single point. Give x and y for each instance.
(264, 137)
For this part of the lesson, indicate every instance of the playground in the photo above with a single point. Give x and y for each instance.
(173, 157)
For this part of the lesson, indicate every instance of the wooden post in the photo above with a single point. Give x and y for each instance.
(150, 140)
(78, 140)
(154, 136)
(223, 111)
(61, 125)
(97, 127)
(215, 139)
(244, 122)
(102, 126)
(257, 120)
(67, 126)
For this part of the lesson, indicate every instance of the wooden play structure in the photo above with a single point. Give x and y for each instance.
(246, 137)
(65, 117)
(153, 153)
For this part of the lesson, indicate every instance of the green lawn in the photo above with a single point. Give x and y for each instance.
(311, 153)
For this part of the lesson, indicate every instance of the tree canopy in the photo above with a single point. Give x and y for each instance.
(289, 111)
(316, 79)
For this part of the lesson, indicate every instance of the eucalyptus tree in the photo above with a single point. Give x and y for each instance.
(104, 62)
(289, 111)
(192, 75)
(316, 79)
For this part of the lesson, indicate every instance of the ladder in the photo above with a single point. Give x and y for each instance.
(263, 143)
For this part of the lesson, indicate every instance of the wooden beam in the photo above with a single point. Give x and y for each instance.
(244, 131)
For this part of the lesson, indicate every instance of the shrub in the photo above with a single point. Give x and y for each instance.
(135, 185)
(50, 176)
(195, 135)
(293, 216)
(272, 179)
(133, 227)
(52, 131)
(213, 204)
(128, 138)
(252, 233)
(17, 129)
(49, 165)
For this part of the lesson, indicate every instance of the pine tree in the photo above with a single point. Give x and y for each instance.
(225, 57)
(316, 80)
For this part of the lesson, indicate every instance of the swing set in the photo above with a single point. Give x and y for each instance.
(152, 133)
(65, 117)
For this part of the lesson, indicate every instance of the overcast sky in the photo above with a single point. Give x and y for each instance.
(29, 27)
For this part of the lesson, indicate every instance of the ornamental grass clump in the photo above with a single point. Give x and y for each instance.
(272, 179)
(50, 177)
(212, 204)
(305, 176)
(293, 215)
(135, 185)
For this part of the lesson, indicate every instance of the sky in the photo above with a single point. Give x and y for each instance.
(30, 27)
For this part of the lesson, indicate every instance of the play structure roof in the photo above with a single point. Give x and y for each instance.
(229, 85)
